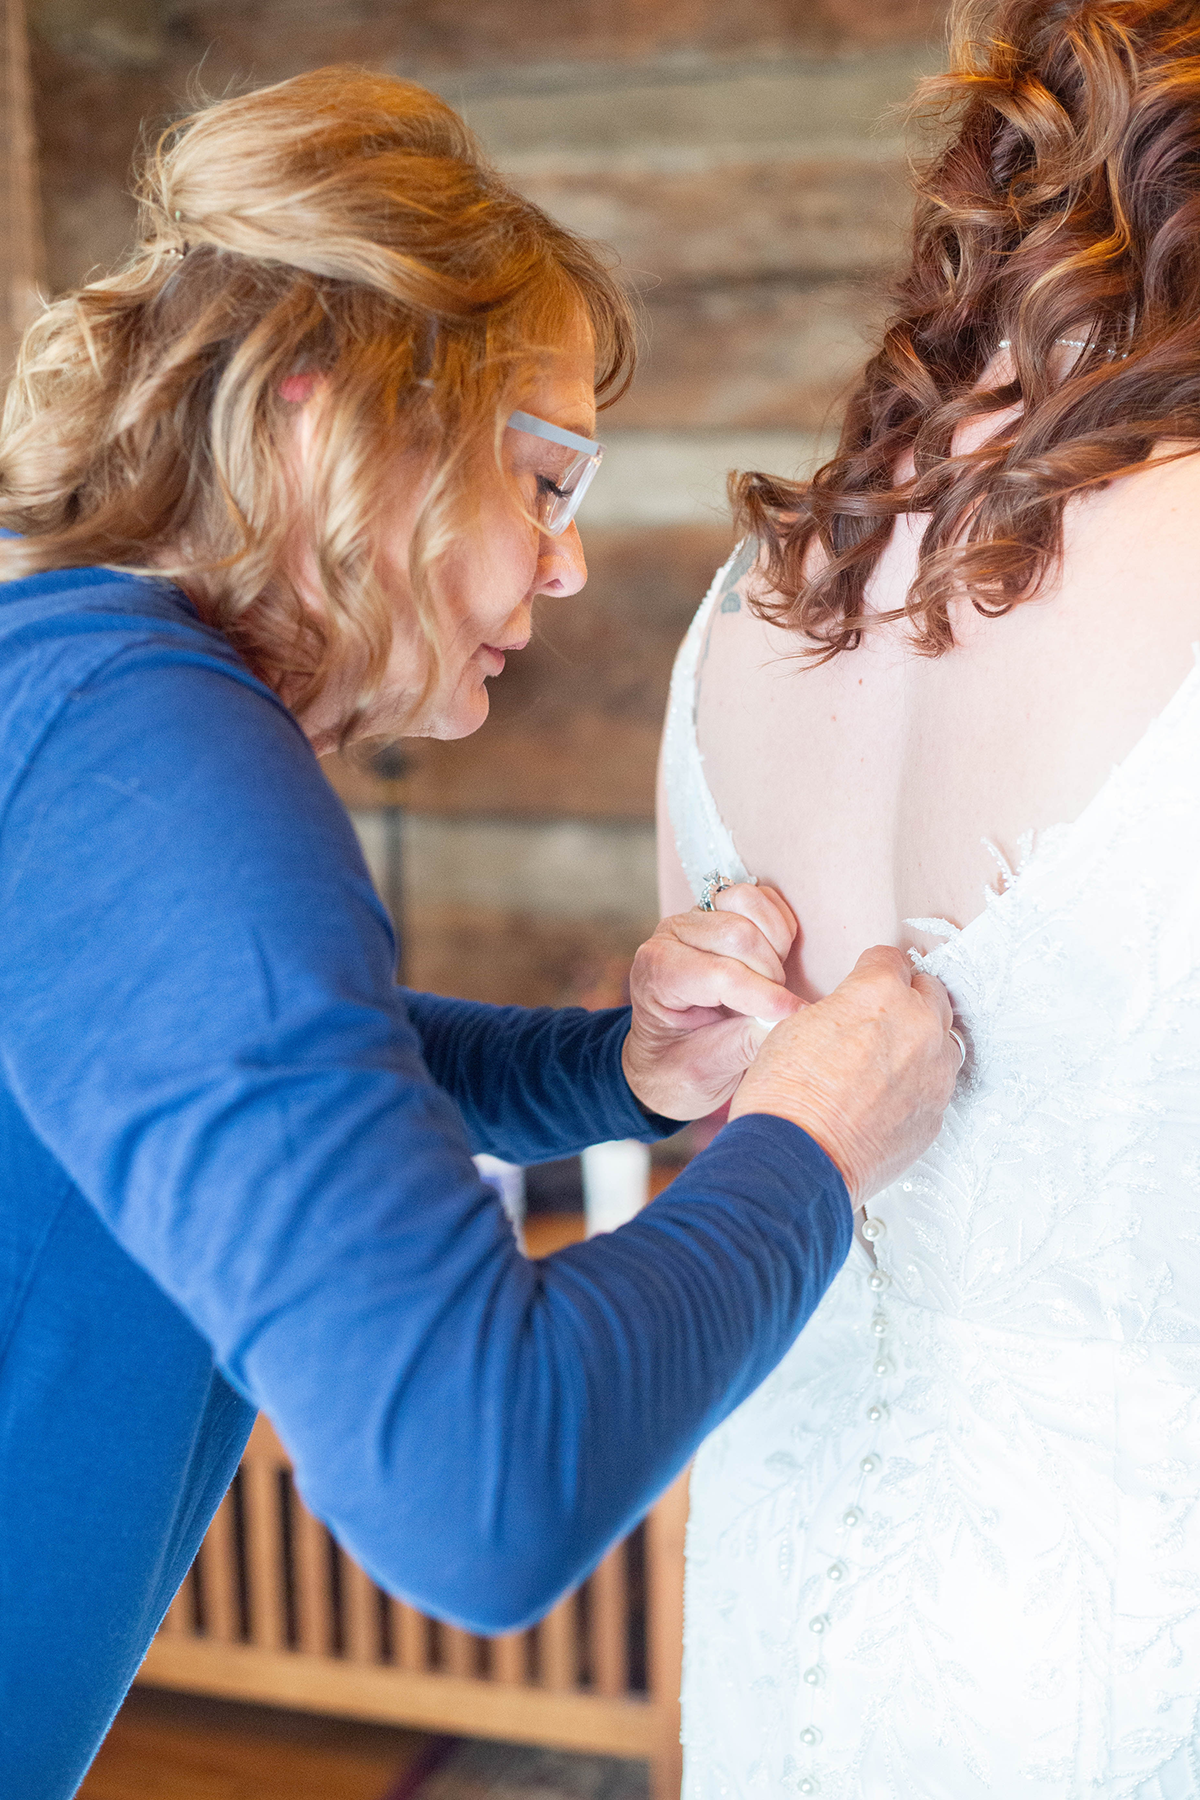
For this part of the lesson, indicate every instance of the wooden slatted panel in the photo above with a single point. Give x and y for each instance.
(219, 1576)
(263, 1514)
(460, 1651)
(314, 1594)
(360, 1612)
(665, 1530)
(559, 1646)
(460, 1688)
(608, 1624)
(410, 1637)
(510, 1657)
(178, 1622)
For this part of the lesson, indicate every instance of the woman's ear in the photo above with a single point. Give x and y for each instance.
(298, 389)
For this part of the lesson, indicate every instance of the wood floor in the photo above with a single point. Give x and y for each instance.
(167, 1746)
(181, 1747)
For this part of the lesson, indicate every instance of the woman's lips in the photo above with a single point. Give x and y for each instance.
(492, 656)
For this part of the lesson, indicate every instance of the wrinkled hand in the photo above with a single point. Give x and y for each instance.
(867, 1072)
(698, 987)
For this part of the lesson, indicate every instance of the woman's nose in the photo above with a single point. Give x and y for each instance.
(561, 567)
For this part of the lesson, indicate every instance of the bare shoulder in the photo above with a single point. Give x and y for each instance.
(746, 622)
(737, 639)
(1132, 549)
(753, 677)
(739, 579)
(1168, 483)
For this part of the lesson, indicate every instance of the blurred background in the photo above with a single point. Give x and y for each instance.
(745, 162)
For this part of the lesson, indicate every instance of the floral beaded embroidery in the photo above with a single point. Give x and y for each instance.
(952, 1543)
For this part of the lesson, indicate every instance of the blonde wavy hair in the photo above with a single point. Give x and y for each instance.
(339, 223)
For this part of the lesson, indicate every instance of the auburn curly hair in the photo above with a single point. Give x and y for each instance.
(341, 223)
(1065, 203)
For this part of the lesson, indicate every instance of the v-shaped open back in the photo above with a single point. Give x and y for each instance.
(705, 843)
(952, 1545)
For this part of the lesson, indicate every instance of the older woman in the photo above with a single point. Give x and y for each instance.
(297, 473)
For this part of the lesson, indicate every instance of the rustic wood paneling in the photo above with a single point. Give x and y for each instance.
(510, 958)
(575, 719)
(21, 256)
(745, 218)
(103, 80)
(279, 35)
(776, 352)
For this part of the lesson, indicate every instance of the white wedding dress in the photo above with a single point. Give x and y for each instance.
(951, 1547)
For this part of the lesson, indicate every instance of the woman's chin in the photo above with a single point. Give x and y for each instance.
(465, 714)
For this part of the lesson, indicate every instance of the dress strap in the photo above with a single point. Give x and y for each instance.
(702, 838)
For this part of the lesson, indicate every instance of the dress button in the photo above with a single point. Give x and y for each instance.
(836, 1571)
(810, 1736)
(851, 1517)
(808, 1785)
(869, 1464)
(877, 1413)
(879, 1324)
(881, 1366)
(814, 1677)
(878, 1280)
(820, 1624)
(872, 1230)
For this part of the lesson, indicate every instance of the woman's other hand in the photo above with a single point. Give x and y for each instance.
(705, 988)
(867, 1072)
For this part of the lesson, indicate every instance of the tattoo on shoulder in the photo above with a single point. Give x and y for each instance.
(731, 602)
(747, 556)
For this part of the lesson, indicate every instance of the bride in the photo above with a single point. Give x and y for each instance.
(946, 696)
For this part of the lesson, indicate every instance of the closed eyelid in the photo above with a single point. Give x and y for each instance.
(545, 460)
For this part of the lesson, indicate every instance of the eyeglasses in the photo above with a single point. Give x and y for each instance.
(558, 501)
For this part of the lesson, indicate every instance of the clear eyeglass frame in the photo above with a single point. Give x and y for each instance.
(558, 508)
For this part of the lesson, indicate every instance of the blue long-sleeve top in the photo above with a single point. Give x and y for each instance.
(236, 1173)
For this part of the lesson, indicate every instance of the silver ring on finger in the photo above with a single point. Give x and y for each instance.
(962, 1048)
(713, 884)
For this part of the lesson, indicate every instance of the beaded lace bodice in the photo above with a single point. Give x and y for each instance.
(952, 1546)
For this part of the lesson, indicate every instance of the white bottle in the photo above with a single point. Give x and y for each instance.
(508, 1179)
(616, 1183)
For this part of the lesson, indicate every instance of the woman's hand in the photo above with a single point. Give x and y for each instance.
(705, 988)
(867, 1072)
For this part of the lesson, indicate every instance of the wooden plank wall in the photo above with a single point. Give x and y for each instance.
(21, 256)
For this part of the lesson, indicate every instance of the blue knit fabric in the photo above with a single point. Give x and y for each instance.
(236, 1173)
